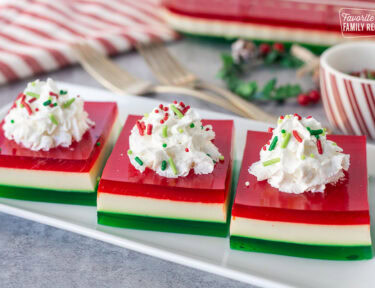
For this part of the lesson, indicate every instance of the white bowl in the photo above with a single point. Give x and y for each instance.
(349, 101)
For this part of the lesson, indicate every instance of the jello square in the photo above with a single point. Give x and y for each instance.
(195, 204)
(331, 225)
(61, 175)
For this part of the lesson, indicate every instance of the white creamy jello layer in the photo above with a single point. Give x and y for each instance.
(151, 207)
(58, 180)
(300, 233)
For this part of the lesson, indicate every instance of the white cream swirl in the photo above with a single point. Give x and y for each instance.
(171, 143)
(44, 117)
(302, 159)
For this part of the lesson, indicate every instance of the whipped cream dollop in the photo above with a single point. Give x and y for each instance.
(44, 117)
(171, 140)
(299, 158)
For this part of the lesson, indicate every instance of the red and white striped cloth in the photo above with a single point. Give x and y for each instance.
(35, 34)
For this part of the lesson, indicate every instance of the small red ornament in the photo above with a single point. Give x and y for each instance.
(303, 99)
(314, 96)
(264, 49)
(279, 47)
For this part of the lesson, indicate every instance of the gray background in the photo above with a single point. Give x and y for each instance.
(35, 255)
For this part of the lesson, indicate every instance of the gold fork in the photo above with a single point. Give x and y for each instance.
(169, 71)
(121, 82)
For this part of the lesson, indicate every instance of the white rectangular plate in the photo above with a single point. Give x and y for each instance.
(210, 254)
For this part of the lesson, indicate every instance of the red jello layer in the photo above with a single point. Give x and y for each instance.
(120, 177)
(79, 157)
(343, 203)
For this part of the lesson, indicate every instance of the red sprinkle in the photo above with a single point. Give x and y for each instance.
(319, 146)
(207, 129)
(149, 129)
(161, 106)
(296, 135)
(32, 100)
(270, 130)
(264, 148)
(156, 111)
(182, 104)
(296, 115)
(143, 125)
(53, 94)
(268, 143)
(185, 109)
(161, 121)
(174, 102)
(281, 117)
(186, 149)
(36, 109)
(308, 117)
(166, 117)
(140, 129)
(27, 108)
(166, 108)
(51, 105)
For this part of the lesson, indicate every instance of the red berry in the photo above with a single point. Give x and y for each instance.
(303, 99)
(264, 49)
(279, 47)
(314, 96)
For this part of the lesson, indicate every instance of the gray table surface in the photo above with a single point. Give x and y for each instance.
(36, 255)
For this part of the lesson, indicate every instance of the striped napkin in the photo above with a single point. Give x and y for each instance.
(35, 34)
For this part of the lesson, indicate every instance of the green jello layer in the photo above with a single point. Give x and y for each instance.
(329, 252)
(163, 224)
(52, 196)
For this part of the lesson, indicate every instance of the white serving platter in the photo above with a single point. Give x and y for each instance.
(210, 254)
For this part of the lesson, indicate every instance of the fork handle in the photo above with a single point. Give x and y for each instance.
(249, 109)
(197, 94)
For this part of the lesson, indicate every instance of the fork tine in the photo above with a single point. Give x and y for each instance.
(167, 69)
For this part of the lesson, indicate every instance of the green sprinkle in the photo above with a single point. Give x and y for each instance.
(33, 83)
(334, 144)
(163, 165)
(287, 116)
(12, 121)
(283, 131)
(130, 152)
(221, 157)
(303, 157)
(173, 167)
(63, 92)
(97, 144)
(273, 143)
(53, 119)
(271, 162)
(312, 155)
(316, 132)
(47, 103)
(286, 140)
(279, 121)
(69, 102)
(178, 112)
(165, 131)
(164, 145)
(146, 115)
(192, 125)
(202, 127)
(181, 130)
(54, 104)
(317, 137)
(138, 160)
(32, 94)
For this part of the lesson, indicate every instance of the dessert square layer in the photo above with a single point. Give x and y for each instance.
(196, 204)
(308, 224)
(62, 175)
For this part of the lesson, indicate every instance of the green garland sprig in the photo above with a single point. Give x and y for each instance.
(231, 73)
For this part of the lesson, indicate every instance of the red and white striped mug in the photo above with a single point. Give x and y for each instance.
(349, 101)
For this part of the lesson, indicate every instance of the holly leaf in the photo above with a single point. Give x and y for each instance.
(269, 87)
(246, 89)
